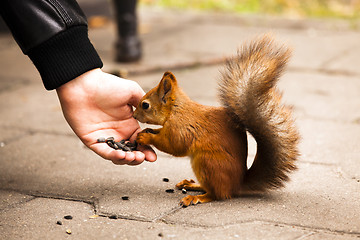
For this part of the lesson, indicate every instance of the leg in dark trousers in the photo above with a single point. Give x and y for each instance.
(128, 45)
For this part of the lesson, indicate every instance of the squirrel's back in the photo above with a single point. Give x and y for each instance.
(248, 90)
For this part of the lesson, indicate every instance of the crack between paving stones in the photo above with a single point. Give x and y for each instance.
(218, 61)
(336, 57)
(93, 202)
(335, 168)
(326, 230)
(177, 66)
(161, 216)
(11, 206)
(324, 71)
(123, 217)
(304, 227)
(330, 120)
(318, 163)
(305, 236)
(140, 219)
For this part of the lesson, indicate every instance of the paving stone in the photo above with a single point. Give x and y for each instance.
(80, 174)
(32, 107)
(308, 201)
(326, 142)
(181, 47)
(46, 173)
(38, 219)
(10, 199)
(193, 82)
(327, 235)
(17, 69)
(346, 61)
(322, 96)
(9, 134)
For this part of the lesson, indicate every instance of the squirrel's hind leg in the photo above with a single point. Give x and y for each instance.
(190, 199)
(189, 185)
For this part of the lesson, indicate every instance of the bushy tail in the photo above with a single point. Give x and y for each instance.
(248, 90)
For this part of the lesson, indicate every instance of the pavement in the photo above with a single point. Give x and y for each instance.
(46, 173)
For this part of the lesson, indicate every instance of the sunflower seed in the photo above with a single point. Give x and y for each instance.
(68, 217)
(101, 140)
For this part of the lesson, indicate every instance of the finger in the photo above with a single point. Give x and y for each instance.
(120, 157)
(107, 152)
(149, 153)
(131, 158)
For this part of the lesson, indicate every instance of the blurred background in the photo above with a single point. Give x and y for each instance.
(295, 8)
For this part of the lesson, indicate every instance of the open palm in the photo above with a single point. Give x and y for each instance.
(97, 104)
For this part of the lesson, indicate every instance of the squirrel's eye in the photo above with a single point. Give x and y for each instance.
(145, 105)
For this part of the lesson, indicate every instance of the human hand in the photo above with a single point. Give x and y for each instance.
(97, 104)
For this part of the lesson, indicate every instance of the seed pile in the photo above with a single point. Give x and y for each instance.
(124, 145)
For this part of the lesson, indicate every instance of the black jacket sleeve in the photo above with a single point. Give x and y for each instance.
(54, 34)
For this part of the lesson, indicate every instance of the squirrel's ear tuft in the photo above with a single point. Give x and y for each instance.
(166, 86)
(169, 75)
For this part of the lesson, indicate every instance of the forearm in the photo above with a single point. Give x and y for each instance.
(54, 36)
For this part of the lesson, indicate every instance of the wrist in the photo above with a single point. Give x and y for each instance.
(64, 57)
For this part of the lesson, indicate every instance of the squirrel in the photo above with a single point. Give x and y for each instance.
(215, 137)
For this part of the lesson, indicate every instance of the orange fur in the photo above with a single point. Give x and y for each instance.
(215, 137)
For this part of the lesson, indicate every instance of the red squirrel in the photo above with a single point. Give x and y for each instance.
(215, 137)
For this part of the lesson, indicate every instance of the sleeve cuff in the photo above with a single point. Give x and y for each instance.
(64, 57)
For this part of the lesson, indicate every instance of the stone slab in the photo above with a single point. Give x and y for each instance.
(38, 219)
(331, 143)
(31, 108)
(169, 41)
(65, 168)
(307, 201)
(322, 96)
(10, 199)
(16, 68)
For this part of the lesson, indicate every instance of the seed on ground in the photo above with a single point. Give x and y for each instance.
(169, 190)
(68, 217)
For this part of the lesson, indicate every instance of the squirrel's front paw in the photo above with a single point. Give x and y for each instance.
(144, 138)
(184, 184)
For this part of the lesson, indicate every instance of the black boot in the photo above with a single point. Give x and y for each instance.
(128, 45)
